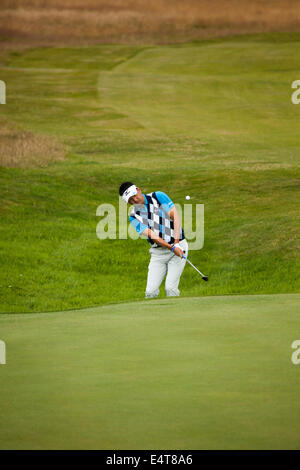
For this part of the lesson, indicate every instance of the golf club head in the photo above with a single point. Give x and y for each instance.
(205, 278)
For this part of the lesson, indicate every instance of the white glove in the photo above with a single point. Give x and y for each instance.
(177, 245)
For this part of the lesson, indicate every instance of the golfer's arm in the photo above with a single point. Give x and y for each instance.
(177, 223)
(150, 234)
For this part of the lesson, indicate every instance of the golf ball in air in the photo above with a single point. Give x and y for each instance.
(187, 197)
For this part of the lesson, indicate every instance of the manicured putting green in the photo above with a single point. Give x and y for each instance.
(185, 373)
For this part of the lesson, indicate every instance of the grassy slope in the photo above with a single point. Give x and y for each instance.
(211, 119)
(199, 373)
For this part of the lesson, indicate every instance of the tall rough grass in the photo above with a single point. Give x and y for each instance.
(20, 148)
(158, 21)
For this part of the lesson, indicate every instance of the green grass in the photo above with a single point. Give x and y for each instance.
(212, 119)
(197, 373)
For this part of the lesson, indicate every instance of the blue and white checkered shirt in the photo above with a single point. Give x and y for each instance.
(154, 214)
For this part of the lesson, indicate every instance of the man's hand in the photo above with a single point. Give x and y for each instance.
(177, 250)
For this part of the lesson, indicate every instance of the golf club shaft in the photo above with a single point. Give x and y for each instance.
(201, 274)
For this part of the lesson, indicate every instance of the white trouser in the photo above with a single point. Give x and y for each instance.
(165, 261)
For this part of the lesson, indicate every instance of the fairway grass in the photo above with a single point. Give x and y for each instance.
(212, 119)
(197, 373)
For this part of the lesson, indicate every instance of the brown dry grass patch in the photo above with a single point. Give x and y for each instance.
(135, 21)
(20, 148)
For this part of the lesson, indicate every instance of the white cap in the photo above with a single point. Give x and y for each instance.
(131, 191)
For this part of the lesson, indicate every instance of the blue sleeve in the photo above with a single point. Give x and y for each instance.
(139, 227)
(164, 200)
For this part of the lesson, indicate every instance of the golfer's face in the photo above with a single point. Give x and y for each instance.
(137, 199)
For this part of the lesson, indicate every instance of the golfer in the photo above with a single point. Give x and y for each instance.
(154, 216)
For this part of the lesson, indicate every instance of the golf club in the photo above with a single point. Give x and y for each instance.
(205, 278)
